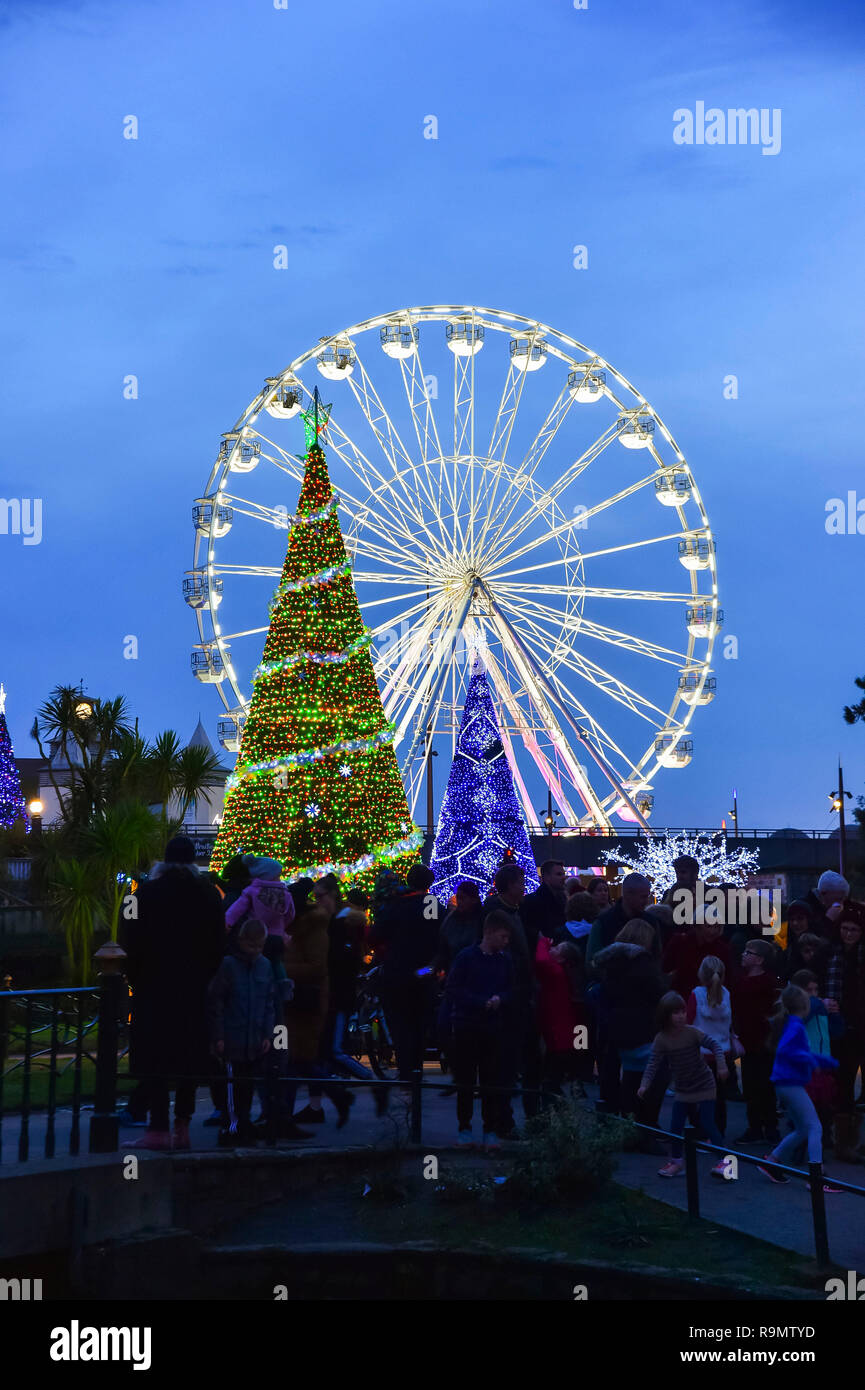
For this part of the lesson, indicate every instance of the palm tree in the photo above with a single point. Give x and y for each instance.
(74, 896)
(116, 844)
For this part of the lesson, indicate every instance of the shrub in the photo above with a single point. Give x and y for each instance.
(569, 1152)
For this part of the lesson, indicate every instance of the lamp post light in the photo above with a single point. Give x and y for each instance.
(35, 809)
(837, 799)
(550, 817)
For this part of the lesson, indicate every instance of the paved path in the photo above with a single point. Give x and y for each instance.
(749, 1203)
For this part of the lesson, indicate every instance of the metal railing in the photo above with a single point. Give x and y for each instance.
(42, 1025)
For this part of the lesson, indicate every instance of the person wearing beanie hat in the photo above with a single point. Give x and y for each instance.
(180, 850)
(826, 902)
(266, 898)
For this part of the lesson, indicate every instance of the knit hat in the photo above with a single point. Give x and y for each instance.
(180, 850)
(832, 882)
(260, 866)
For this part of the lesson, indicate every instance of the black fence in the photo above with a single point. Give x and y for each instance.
(62, 1025)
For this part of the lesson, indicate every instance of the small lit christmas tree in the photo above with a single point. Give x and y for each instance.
(480, 816)
(12, 806)
(317, 785)
(655, 859)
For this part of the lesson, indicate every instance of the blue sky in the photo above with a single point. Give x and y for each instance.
(305, 127)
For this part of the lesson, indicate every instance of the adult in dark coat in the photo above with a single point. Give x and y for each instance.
(632, 986)
(406, 927)
(543, 912)
(462, 926)
(174, 945)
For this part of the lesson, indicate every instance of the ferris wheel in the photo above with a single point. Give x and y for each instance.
(504, 492)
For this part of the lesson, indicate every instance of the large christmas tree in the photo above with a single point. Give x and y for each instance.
(317, 785)
(480, 816)
(12, 806)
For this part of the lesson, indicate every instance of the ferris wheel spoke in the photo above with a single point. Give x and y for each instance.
(369, 550)
(640, 645)
(407, 655)
(531, 744)
(586, 627)
(231, 636)
(269, 571)
(578, 523)
(537, 689)
(550, 495)
(388, 438)
(587, 591)
(372, 479)
(558, 653)
(498, 446)
(433, 678)
(529, 464)
(595, 554)
(425, 424)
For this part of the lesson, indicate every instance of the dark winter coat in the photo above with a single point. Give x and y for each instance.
(685, 953)
(474, 978)
(173, 949)
(305, 961)
(522, 950)
(632, 986)
(406, 931)
(346, 936)
(242, 1006)
(459, 930)
(543, 914)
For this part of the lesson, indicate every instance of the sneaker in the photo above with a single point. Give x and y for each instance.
(719, 1170)
(154, 1139)
(671, 1169)
(214, 1119)
(770, 1174)
(308, 1116)
(464, 1139)
(830, 1187)
(491, 1142)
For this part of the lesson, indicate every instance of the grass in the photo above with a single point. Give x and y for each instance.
(13, 1083)
(616, 1225)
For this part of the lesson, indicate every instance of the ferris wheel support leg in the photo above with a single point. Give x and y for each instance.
(533, 748)
(539, 692)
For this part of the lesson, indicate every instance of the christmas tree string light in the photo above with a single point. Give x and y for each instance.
(317, 784)
(12, 807)
(480, 816)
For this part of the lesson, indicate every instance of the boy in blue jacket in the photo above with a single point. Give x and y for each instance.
(794, 1066)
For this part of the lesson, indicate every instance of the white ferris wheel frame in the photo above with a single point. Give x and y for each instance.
(457, 589)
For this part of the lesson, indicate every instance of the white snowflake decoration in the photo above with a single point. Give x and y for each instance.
(345, 770)
(313, 809)
(655, 860)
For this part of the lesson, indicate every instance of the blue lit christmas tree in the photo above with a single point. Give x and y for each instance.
(11, 796)
(480, 816)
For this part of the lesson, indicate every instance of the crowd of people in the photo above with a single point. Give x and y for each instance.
(249, 979)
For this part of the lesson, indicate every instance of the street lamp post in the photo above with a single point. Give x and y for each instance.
(837, 799)
(35, 809)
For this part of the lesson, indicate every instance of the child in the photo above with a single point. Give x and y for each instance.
(694, 1085)
(709, 1008)
(266, 900)
(754, 995)
(479, 990)
(792, 1070)
(820, 1027)
(242, 1015)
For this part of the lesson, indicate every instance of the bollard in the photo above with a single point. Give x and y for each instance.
(818, 1212)
(112, 998)
(691, 1178)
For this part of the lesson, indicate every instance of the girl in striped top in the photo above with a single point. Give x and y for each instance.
(679, 1043)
